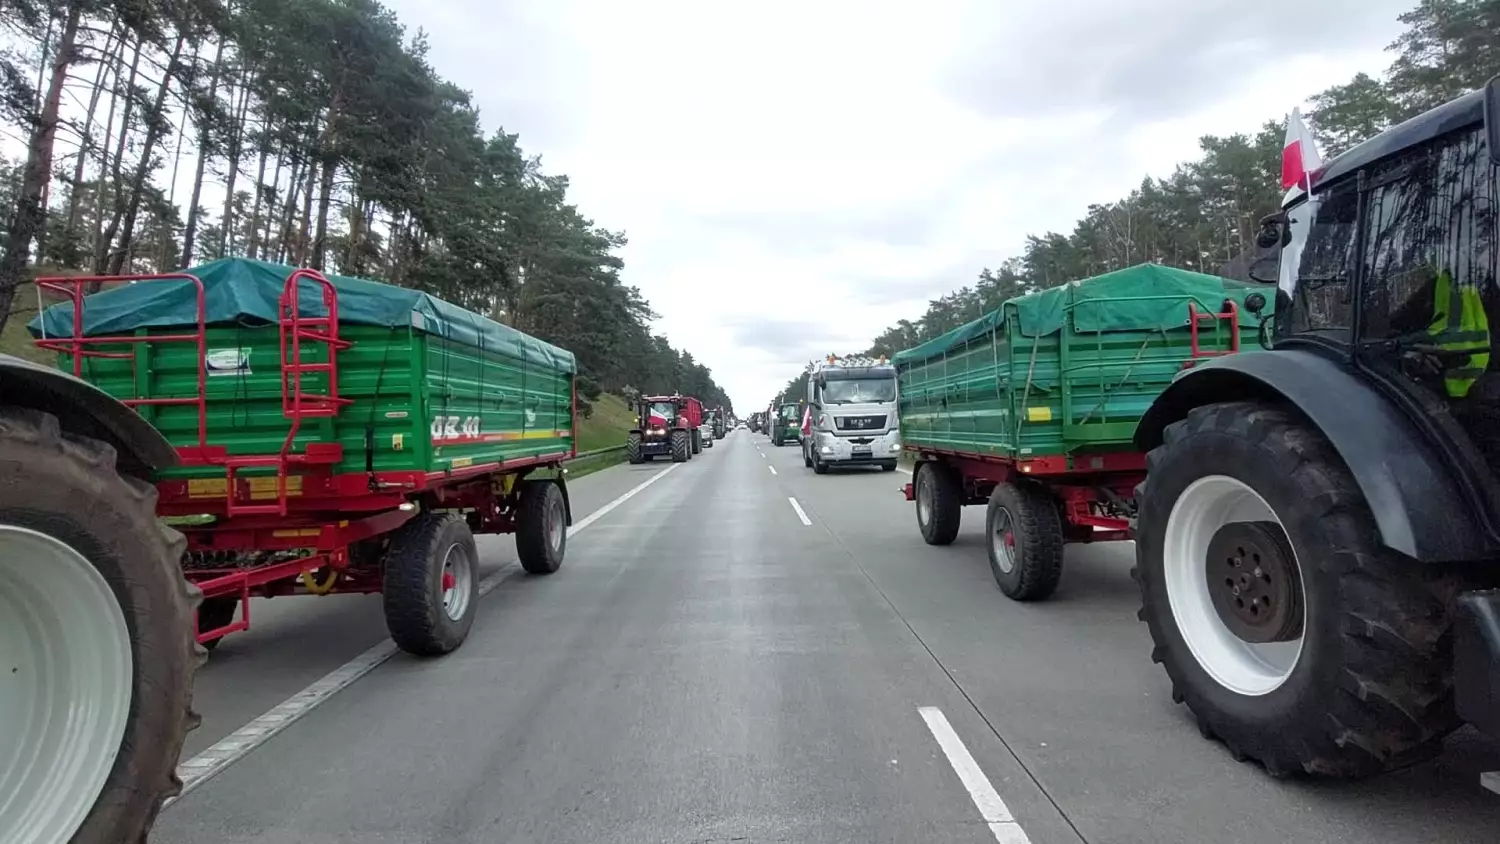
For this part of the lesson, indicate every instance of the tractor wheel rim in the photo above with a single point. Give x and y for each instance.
(66, 699)
(1004, 539)
(1200, 512)
(458, 570)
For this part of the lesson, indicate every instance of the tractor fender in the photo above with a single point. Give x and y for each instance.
(1421, 509)
(88, 411)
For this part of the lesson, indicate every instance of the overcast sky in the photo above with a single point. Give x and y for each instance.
(794, 177)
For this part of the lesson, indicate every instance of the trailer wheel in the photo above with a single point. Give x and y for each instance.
(1284, 625)
(96, 625)
(682, 450)
(541, 527)
(431, 584)
(633, 449)
(939, 503)
(1025, 541)
(697, 441)
(215, 613)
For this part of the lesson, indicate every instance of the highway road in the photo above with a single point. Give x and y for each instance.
(742, 651)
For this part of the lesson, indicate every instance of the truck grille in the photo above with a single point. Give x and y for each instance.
(860, 423)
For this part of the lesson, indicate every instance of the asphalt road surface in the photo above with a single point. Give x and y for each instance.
(742, 651)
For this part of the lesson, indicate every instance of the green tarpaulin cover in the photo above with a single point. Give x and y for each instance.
(241, 290)
(1146, 296)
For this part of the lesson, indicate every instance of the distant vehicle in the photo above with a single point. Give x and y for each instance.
(706, 434)
(784, 421)
(665, 425)
(852, 420)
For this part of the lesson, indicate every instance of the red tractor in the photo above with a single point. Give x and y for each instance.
(665, 425)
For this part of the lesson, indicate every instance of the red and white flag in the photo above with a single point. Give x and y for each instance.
(1299, 155)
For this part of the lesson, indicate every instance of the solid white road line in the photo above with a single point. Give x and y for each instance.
(772, 468)
(238, 744)
(1004, 826)
(800, 514)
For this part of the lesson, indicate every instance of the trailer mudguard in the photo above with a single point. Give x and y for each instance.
(1420, 509)
(88, 411)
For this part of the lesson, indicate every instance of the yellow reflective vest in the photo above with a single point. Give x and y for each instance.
(1460, 325)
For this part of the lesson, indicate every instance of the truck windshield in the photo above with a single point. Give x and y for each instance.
(859, 391)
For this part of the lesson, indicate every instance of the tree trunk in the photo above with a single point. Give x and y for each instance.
(253, 241)
(236, 149)
(75, 198)
(325, 195)
(288, 209)
(31, 216)
(303, 239)
(105, 234)
(190, 226)
(143, 167)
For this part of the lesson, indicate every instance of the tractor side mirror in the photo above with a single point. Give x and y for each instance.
(1255, 303)
(1492, 117)
(1274, 232)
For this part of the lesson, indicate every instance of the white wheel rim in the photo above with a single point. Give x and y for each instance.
(456, 599)
(924, 499)
(1207, 505)
(65, 686)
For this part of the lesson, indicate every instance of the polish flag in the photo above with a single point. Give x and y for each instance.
(807, 421)
(656, 418)
(1299, 156)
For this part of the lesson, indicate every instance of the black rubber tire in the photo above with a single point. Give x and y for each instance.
(682, 450)
(697, 438)
(1038, 532)
(1373, 689)
(413, 588)
(214, 613)
(947, 503)
(69, 488)
(633, 450)
(542, 507)
(820, 467)
(888, 467)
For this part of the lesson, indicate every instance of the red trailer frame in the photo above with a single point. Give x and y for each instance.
(334, 520)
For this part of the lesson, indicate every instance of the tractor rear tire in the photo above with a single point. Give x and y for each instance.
(1025, 541)
(633, 450)
(682, 450)
(541, 527)
(940, 503)
(425, 616)
(94, 605)
(1368, 686)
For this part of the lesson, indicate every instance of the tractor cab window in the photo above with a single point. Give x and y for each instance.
(663, 413)
(1429, 296)
(789, 413)
(1317, 267)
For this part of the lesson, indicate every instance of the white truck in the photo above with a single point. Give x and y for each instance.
(851, 405)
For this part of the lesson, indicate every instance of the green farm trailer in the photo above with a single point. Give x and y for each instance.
(1031, 409)
(333, 434)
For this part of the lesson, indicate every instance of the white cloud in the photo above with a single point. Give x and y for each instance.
(795, 176)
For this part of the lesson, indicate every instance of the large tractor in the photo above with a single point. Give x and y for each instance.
(786, 421)
(95, 615)
(1318, 534)
(665, 426)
